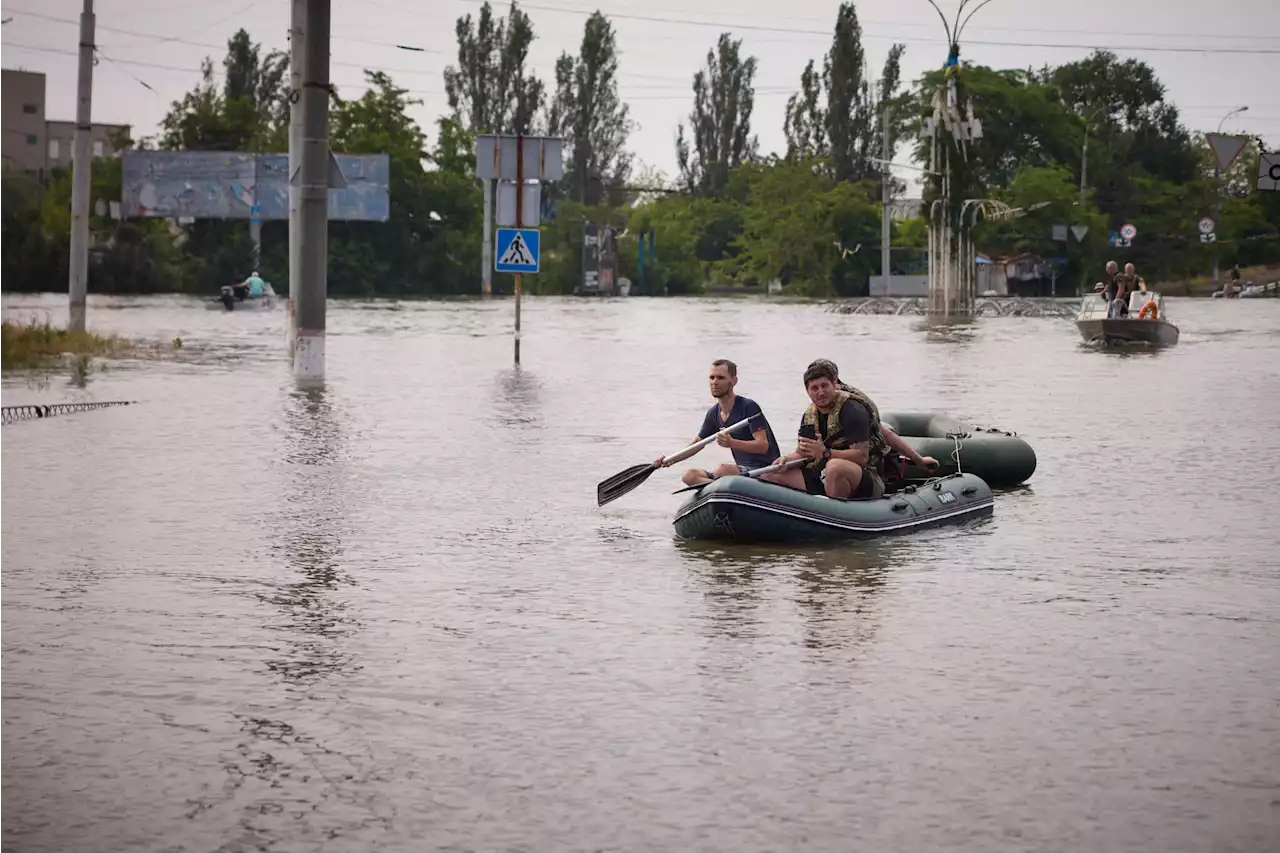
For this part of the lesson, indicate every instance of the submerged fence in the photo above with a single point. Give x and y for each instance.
(35, 411)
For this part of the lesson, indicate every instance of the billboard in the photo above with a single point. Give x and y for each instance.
(231, 184)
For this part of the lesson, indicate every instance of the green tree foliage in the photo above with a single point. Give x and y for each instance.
(594, 122)
(490, 90)
(720, 124)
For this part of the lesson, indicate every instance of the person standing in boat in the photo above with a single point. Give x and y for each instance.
(1112, 288)
(896, 442)
(1130, 282)
(841, 439)
(753, 446)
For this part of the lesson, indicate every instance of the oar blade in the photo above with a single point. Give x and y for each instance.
(621, 483)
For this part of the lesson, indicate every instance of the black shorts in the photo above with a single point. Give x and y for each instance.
(866, 486)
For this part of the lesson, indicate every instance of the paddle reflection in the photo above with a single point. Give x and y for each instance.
(316, 620)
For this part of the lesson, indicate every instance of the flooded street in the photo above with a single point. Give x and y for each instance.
(390, 616)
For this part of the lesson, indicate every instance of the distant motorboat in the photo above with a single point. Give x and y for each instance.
(1146, 322)
(231, 300)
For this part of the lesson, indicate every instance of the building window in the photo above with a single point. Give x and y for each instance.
(54, 149)
(97, 148)
(32, 139)
(30, 109)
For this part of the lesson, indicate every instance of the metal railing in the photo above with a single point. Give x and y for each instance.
(35, 411)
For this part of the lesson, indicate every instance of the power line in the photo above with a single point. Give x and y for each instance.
(160, 38)
(866, 36)
(866, 22)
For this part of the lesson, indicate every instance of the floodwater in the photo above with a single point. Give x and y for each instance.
(391, 617)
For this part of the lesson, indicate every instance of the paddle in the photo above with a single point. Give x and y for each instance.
(755, 472)
(624, 481)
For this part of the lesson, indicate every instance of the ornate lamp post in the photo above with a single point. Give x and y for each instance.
(952, 278)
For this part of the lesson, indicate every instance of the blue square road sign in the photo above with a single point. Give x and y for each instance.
(516, 250)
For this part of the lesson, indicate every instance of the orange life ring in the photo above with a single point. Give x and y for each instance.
(1151, 307)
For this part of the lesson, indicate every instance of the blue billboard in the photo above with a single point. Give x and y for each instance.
(232, 184)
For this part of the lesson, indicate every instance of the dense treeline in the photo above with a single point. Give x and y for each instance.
(731, 217)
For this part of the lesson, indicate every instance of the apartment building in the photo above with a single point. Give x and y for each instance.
(32, 143)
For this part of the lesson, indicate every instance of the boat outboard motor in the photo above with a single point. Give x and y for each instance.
(228, 297)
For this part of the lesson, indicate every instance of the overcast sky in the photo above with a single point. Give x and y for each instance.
(1209, 55)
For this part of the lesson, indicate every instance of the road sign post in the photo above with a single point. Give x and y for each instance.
(513, 159)
(519, 223)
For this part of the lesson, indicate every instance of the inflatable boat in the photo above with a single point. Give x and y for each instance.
(751, 510)
(999, 457)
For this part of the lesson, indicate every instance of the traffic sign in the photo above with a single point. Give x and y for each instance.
(1208, 237)
(255, 213)
(1269, 171)
(517, 250)
(1128, 231)
(1206, 225)
(1079, 231)
(1226, 148)
(1115, 240)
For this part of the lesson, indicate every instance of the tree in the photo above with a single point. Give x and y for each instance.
(804, 121)
(837, 117)
(259, 80)
(587, 112)
(1133, 129)
(489, 90)
(723, 97)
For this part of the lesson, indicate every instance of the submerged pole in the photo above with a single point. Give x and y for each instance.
(486, 239)
(313, 209)
(884, 205)
(519, 224)
(297, 39)
(81, 173)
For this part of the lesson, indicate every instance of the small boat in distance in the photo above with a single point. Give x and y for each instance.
(1145, 324)
(233, 298)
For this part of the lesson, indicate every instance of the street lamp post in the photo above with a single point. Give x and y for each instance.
(1216, 179)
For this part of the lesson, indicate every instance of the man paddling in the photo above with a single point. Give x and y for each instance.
(896, 442)
(752, 447)
(841, 439)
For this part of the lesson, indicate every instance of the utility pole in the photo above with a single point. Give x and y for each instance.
(486, 241)
(1217, 212)
(297, 40)
(884, 219)
(313, 192)
(1084, 163)
(81, 172)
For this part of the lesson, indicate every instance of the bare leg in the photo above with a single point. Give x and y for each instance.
(725, 469)
(842, 478)
(695, 477)
(791, 477)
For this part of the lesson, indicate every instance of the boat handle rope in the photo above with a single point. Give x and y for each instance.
(955, 454)
(35, 410)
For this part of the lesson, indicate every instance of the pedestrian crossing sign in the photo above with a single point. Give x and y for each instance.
(517, 250)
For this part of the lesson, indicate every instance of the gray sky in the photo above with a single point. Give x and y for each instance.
(662, 46)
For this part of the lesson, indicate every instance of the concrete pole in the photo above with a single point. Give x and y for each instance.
(297, 40)
(81, 172)
(884, 218)
(486, 247)
(313, 211)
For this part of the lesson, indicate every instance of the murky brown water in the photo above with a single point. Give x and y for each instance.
(391, 617)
